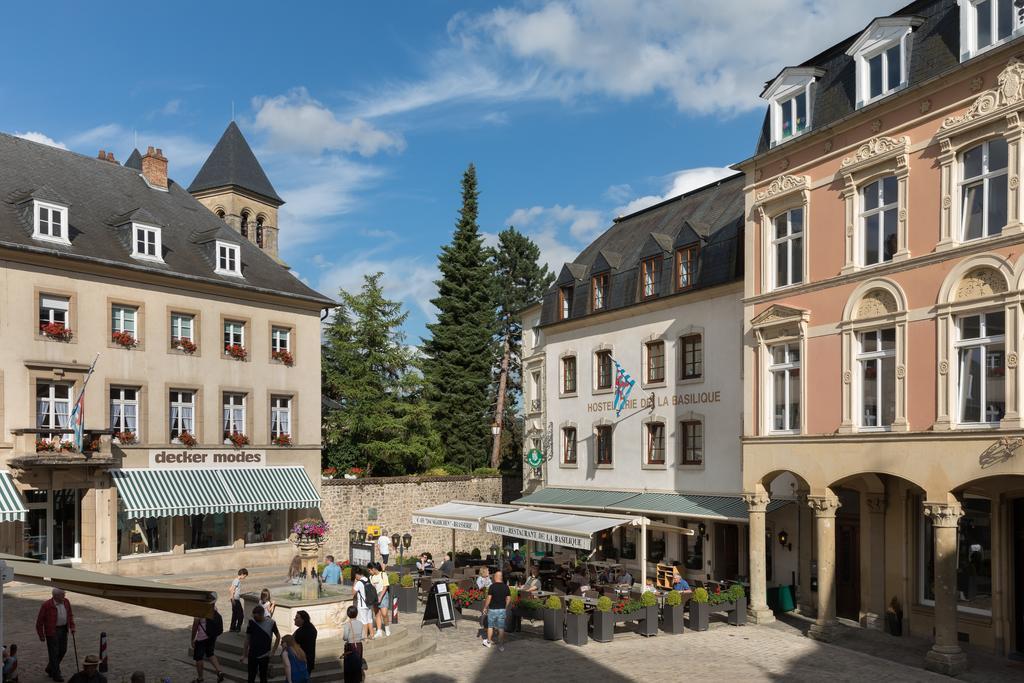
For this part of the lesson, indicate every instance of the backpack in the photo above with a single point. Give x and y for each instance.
(214, 625)
(372, 600)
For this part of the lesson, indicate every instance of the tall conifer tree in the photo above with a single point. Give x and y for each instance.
(459, 355)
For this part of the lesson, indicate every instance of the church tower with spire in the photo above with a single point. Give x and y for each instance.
(233, 185)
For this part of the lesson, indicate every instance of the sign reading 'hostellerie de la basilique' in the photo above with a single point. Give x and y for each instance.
(692, 398)
(189, 458)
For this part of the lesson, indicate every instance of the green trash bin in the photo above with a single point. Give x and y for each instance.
(786, 601)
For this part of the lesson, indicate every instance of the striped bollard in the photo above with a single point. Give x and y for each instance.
(103, 652)
(394, 610)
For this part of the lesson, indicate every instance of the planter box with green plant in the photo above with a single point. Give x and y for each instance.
(529, 608)
(346, 575)
(576, 621)
(407, 594)
(554, 618)
(700, 610)
(648, 615)
(733, 602)
(673, 612)
(603, 620)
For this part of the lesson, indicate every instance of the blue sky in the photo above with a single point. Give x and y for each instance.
(366, 114)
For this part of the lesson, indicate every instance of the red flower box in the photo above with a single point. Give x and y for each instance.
(182, 344)
(238, 440)
(282, 440)
(125, 438)
(284, 357)
(56, 331)
(187, 440)
(124, 339)
(236, 351)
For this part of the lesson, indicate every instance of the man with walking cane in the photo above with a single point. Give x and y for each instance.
(52, 625)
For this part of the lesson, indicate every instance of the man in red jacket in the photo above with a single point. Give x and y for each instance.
(52, 625)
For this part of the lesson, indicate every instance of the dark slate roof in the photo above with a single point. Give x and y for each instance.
(658, 231)
(103, 195)
(934, 49)
(232, 164)
(134, 160)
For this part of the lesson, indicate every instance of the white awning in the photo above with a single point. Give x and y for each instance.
(458, 515)
(570, 530)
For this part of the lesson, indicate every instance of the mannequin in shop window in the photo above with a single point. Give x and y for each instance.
(139, 542)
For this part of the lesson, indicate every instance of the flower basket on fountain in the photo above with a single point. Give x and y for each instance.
(310, 531)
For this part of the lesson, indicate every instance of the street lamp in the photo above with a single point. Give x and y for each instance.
(352, 535)
(362, 535)
(407, 540)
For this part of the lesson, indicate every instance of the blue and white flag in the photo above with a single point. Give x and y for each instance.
(78, 412)
(623, 388)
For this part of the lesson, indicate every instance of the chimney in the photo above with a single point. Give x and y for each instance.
(102, 155)
(110, 158)
(154, 168)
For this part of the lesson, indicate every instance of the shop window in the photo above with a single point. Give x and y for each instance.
(182, 416)
(124, 414)
(784, 384)
(973, 559)
(208, 531)
(604, 369)
(655, 446)
(53, 408)
(983, 190)
(691, 356)
(981, 368)
(876, 359)
(603, 439)
(569, 375)
(266, 526)
(879, 220)
(143, 536)
(655, 361)
(569, 445)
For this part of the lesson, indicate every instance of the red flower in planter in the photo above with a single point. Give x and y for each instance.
(182, 344)
(56, 331)
(125, 438)
(124, 339)
(236, 351)
(282, 440)
(238, 439)
(187, 440)
(284, 357)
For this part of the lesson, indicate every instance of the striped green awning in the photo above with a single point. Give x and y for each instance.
(731, 508)
(172, 493)
(11, 507)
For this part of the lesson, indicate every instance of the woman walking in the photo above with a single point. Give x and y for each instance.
(295, 668)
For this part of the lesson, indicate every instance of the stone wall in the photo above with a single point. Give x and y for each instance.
(352, 504)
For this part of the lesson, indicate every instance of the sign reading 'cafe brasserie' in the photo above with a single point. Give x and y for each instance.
(189, 458)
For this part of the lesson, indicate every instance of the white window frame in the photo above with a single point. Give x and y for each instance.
(785, 368)
(982, 341)
(877, 40)
(52, 400)
(985, 178)
(280, 338)
(141, 232)
(280, 407)
(52, 305)
(233, 406)
(37, 231)
(176, 399)
(879, 211)
(119, 319)
(969, 27)
(876, 356)
(228, 258)
(789, 238)
(121, 402)
(235, 334)
(177, 326)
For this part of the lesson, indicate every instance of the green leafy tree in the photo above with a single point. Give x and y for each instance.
(382, 423)
(521, 279)
(459, 354)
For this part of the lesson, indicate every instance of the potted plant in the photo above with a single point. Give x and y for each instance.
(604, 620)
(283, 357)
(673, 612)
(346, 575)
(125, 438)
(56, 332)
(699, 610)
(236, 351)
(407, 594)
(576, 621)
(187, 439)
(237, 439)
(283, 440)
(185, 345)
(513, 618)
(737, 596)
(648, 618)
(554, 618)
(530, 608)
(124, 339)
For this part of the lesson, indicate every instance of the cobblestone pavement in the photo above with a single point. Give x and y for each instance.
(156, 643)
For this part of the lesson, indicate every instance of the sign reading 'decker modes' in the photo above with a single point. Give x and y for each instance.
(195, 458)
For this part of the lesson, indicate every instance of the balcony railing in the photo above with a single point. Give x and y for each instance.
(55, 443)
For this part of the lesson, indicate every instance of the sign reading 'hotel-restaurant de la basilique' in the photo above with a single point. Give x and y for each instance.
(187, 458)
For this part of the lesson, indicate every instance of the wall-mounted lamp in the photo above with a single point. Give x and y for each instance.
(784, 540)
(701, 529)
(352, 535)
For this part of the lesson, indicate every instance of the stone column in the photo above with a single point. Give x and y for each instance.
(806, 598)
(824, 508)
(945, 656)
(872, 530)
(757, 504)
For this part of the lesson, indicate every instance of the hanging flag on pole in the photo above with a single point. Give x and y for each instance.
(623, 388)
(78, 412)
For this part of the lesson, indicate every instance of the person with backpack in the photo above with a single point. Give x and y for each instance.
(364, 597)
(204, 637)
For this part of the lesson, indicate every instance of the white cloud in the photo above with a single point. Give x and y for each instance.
(582, 224)
(297, 121)
(410, 281)
(184, 153)
(681, 182)
(35, 136)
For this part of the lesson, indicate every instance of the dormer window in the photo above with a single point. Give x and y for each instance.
(985, 24)
(565, 303)
(791, 101)
(50, 222)
(228, 260)
(599, 288)
(882, 56)
(146, 242)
